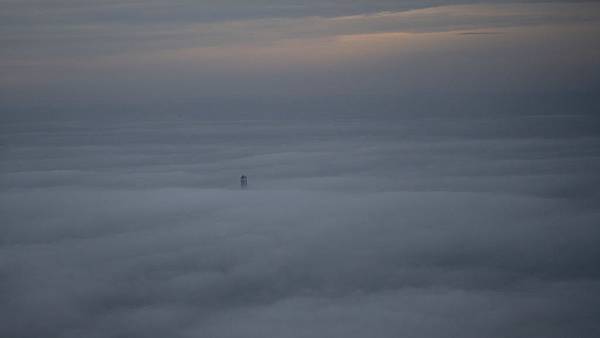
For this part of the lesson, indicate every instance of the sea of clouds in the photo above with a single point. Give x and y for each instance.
(430, 227)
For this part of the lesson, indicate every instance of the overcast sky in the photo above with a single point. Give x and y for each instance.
(415, 169)
(68, 59)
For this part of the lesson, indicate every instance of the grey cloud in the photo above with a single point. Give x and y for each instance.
(315, 65)
(412, 227)
(479, 33)
(414, 171)
(31, 11)
(110, 37)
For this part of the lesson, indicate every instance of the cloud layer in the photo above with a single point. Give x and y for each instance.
(416, 169)
(84, 62)
(422, 227)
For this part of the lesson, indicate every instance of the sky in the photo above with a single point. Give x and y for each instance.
(283, 59)
(415, 168)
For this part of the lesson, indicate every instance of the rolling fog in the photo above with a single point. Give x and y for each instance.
(427, 227)
(416, 168)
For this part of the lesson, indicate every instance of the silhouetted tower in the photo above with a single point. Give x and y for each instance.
(244, 181)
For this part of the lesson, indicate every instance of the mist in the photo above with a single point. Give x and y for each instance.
(415, 169)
